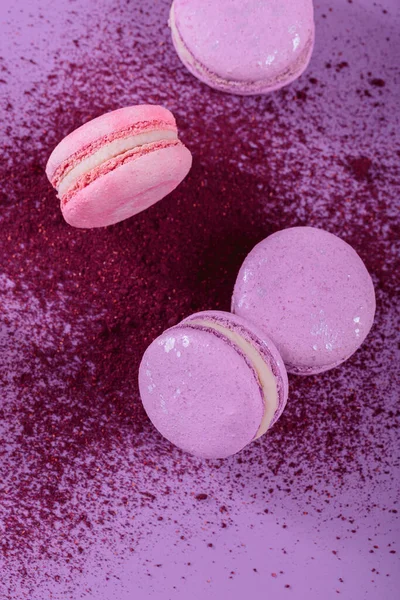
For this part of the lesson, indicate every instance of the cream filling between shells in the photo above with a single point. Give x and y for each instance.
(111, 150)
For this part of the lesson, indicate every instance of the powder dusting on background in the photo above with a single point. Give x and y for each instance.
(93, 502)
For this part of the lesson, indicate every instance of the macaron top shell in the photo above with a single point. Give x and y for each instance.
(244, 40)
(311, 293)
(100, 129)
(201, 391)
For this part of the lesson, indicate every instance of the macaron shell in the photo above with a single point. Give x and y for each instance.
(311, 293)
(261, 342)
(129, 189)
(248, 88)
(200, 393)
(104, 125)
(267, 44)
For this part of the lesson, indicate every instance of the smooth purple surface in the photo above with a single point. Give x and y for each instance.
(325, 153)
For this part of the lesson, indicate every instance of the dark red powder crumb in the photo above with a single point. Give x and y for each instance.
(301, 95)
(360, 167)
(201, 496)
(380, 83)
(341, 65)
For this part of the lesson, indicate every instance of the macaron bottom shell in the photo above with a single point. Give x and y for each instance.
(128, 189)
(309, 370)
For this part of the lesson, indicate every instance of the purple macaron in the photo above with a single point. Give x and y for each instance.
(212, 384)
(311, 293)
(243, 46)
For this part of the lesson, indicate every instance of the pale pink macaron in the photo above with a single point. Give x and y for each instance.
(118, 165)
(311, 293)
(244, 46)
(212, 384)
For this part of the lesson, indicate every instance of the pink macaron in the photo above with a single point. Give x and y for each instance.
(118, 165)
(212, 384)
(243, 46)
(311, 293)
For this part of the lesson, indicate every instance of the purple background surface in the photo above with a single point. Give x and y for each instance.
(311, 509)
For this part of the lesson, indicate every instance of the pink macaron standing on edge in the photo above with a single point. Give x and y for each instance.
(212, 384)
(118, 165)
(311, 293)
(244, 46)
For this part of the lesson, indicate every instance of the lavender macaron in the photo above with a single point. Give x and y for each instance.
(212, 384)
(243, 46)
(311, 293)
